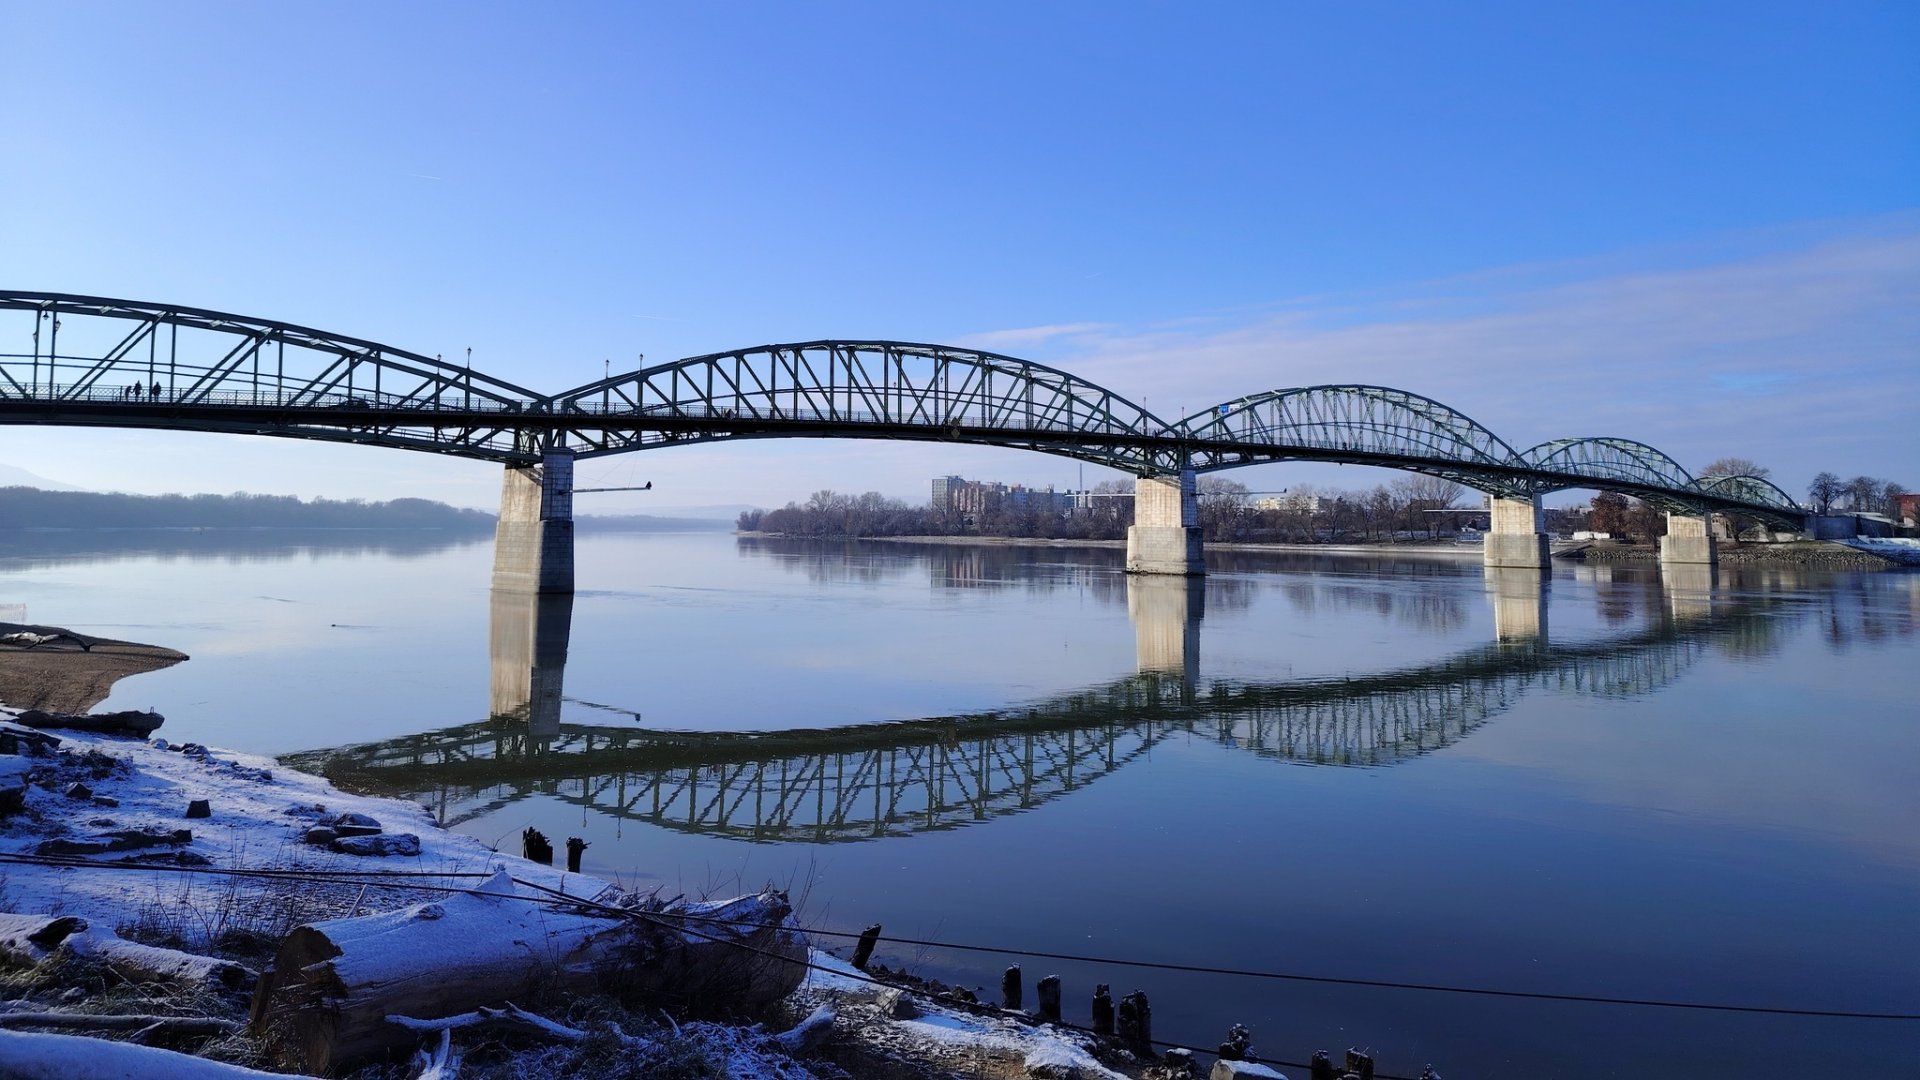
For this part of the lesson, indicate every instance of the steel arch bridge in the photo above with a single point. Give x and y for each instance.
(872, 781)
(85, 360)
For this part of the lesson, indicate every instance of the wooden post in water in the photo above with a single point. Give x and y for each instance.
(535, 846)
(1010, 987)
(1321, 1068)
(1047, 997)
(575, 848)
(1360, 1064)
(863, 951)
(1102, 1010)
(1136, 1024)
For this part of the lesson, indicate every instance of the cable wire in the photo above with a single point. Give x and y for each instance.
(357, 876)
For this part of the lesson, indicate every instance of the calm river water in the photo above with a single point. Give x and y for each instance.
(1681, 788)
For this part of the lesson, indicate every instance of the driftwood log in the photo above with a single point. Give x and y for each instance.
(139, 963)
(32, 1056)
(333, 985)
(26, 940)
(144, 1023)
(136, 722)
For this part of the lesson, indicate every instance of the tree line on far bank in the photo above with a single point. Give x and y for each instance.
(32, 508)
(1227, 512)
(1410, 507)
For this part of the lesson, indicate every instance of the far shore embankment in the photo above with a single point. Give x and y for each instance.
(1821, 554)
(1443, 548)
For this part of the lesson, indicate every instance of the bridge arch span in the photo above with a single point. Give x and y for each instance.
(101, 361)
(871, 389)
(1612, 462)
(1359, 424)
(1751, 489)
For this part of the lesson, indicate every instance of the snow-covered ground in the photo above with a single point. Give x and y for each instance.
(115, 810)
(1899, 549)
(259, 816)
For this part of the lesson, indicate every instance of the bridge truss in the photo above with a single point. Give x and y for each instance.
(84, 360)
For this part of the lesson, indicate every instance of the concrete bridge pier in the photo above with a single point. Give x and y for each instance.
(1165, 535)
(1166, 613)
(1518, 537)
(1519, 599)
(533, 543)
(1689, 541)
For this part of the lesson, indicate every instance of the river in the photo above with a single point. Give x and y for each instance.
(1681, 787)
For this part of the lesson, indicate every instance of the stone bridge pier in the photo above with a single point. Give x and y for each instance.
(533, 542)
(1165, 535)
(1689, 541)
(1518, 537)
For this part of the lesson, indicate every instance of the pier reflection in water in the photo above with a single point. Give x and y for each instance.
(1519, 598)
(528, 634)
(868, 781)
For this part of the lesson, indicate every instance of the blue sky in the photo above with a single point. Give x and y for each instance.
(1696, 225)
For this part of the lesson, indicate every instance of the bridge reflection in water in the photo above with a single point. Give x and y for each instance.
(868, 781)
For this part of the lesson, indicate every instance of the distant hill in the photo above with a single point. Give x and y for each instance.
(33, 508)
(14, 476)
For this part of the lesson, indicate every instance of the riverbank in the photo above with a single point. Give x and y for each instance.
(1818, 554)
(202, 862)
(1440, 548)
(58, 670)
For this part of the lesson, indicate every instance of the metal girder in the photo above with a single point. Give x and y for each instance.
(1649, 474)
(1355, 423)
(91, 360)
(1751, 489)
(870, 389)
(88, 360)
(1619, 461)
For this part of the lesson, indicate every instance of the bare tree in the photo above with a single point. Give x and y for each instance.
(1380, 507)
(1825, 488)
(1736, 466)
(1419, 493)
(1863, 492)
(1223, 508)
(1649, 522)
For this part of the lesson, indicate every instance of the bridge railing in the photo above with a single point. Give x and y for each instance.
(289, 396)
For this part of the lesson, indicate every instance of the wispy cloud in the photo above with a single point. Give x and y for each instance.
(1805, 358)
(1032, 336)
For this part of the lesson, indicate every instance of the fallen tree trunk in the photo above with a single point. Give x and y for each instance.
(26, 940)
(178, 1025)
(139, 963)
(127, 722)
(326, 1001)
(32, 1056)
